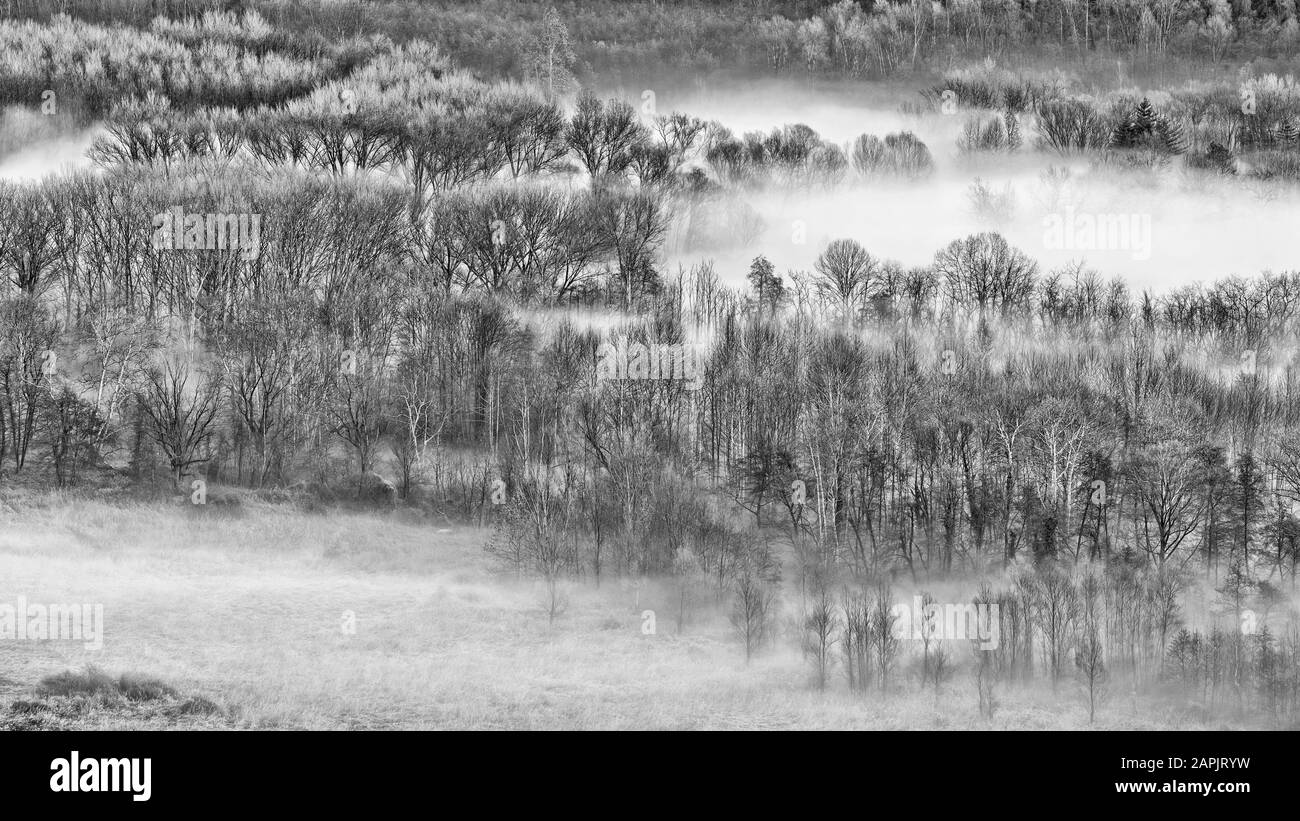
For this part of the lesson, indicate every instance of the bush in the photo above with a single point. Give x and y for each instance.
(901, 154)
(990, 133)
(989, 87)
(1072, 125)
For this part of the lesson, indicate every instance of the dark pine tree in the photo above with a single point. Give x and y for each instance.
(1171, 137)
(1288, 133)
(1221, 158)
(769, 290)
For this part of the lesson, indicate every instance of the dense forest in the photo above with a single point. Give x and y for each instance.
(393, 269)
(627, 41)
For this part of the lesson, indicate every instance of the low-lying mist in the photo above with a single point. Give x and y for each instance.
(1157, 228)
(33, 145)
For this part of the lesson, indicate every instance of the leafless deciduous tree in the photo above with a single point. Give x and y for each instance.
(181, 399)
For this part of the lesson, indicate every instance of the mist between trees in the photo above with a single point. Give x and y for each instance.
(440, 261)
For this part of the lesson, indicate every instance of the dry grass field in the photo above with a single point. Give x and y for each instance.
(234, 620)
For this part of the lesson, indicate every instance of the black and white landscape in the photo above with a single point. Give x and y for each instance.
(649, 364)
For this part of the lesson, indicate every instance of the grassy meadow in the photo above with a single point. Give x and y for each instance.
(239, 619)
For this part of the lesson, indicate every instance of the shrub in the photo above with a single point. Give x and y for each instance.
(1071, 126)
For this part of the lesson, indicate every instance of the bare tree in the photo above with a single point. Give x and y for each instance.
(1167, 489)
(752, 611)
(883, 634)
(603, 135)
(181, 400)
(984, 271)
(848, 276)
(819, 627)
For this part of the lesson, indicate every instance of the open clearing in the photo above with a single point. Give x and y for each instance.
(248, 611)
